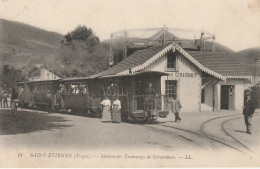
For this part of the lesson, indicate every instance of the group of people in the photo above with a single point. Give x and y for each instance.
(111, 111)
(78, 89)
(4, 98)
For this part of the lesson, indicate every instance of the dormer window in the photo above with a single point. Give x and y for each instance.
(171, 62)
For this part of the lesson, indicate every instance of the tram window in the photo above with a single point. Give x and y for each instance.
(203, 96)
(44, 88)
(101, 91)
(122, 90)
(48, 86)
(38, 88)
(170, 87)
(73, 88)
(171, 61)
(41, 88)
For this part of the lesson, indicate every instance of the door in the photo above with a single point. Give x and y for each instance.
(227, 97)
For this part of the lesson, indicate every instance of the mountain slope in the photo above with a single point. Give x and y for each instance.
(22, 44)
(248, 58)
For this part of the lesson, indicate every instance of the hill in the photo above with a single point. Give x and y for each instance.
(22, 45)
(248, 58)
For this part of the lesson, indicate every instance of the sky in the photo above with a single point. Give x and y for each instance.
(235, 23)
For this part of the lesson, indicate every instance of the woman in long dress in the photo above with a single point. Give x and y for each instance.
(116, 107)
(106, 113)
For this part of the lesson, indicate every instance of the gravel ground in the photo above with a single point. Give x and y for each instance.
(38, 132)
(36, 129)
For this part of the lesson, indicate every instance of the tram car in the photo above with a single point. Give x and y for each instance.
(63, 95)
(40, 94)
(84, 95)
(80, 95)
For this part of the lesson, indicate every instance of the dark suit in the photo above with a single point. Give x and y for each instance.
(248, 111)
(150, 95)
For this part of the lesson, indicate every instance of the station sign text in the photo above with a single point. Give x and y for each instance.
(186, 75)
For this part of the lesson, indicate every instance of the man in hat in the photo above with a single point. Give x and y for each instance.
(150, 95)
(248, 112)
(176, 107)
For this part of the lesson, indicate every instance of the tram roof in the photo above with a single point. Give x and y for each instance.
(135, 74)
(37, 81)
(115, 75)
(77, 79)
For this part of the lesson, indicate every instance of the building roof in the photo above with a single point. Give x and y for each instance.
(51, 69)
(137, 58)
(219, 64)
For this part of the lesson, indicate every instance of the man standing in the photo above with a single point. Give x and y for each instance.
(176, 107)
(49, 101)
(1, 97)
(248, 112)
(5, 96)
(150, 95)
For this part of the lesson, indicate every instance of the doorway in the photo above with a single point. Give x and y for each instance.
(227, 97)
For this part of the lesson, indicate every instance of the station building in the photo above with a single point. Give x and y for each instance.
(43, 72)
(203, 81)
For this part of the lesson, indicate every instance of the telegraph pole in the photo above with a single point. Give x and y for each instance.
(111, 58)
(257, 61)
(163, 43)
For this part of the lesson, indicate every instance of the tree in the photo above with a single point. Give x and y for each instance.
(10, 76)
(82, 33)
(79, 61)
(82, 54)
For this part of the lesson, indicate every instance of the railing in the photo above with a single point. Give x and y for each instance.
(149, 102)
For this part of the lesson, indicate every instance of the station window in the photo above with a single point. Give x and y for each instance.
(203, 96)
(171, 61)
(170, 87)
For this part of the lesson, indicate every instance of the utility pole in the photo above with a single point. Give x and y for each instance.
(201, 40)
(213, 44)
(111, 58)
(164, 29)
(257, 61)
(125, 47)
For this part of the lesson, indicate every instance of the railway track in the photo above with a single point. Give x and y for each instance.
(210, 139)
(228, 133)
(213, 140)
(172, 134)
